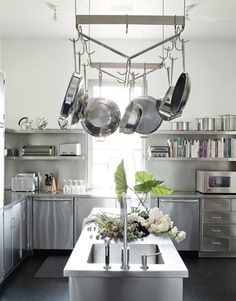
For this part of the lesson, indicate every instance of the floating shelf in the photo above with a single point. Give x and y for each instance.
(46, 131)
(194, 132)
(193, 159)
(48, 158)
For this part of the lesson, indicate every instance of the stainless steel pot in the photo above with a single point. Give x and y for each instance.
(101, 117)
(180, 126)
(228, 122)
(206, 124)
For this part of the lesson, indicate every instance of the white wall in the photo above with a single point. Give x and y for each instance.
(38, 72)
(0, 53)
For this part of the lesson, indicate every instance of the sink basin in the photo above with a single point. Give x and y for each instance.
(97, 253)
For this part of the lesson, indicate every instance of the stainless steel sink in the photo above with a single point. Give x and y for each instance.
(97, 253)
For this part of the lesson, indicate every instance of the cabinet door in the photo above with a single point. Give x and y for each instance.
(84, 206)
(185, 215)
(1, 245)
(16, 234)
(7, 239)
(53, 224)
(23, 229)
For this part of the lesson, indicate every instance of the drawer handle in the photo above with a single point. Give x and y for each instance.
(216, 230)
(216, 217)
(217, 205)
(216, 243)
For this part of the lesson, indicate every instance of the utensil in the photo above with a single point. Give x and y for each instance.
(150, 119)
(41, 123)
(25, 124)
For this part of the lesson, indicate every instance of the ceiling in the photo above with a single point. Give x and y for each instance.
(211, 19)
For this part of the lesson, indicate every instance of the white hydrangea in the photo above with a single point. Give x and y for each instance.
(134, 217)
(173, 231)
(180, 236)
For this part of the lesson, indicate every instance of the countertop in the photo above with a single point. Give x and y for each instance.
(11, 197)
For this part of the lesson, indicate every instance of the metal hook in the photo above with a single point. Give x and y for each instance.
(126, 24)
(86, 65)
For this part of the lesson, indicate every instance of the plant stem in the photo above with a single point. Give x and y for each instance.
(140, 199)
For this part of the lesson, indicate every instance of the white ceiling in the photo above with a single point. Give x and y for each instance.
(34, 18)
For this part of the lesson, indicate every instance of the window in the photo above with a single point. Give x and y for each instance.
(106, 153)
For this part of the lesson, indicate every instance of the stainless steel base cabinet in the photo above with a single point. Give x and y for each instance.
(53, 223)
(185, 215)
(1, 246)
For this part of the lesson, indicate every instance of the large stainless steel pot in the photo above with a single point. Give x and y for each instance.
(101, 117)
(228, 122)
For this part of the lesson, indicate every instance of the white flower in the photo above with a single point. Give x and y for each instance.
(180, 236)
(173, 231)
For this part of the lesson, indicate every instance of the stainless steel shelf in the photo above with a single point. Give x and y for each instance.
(192, 159)
(48, 158)
(194, 132)
(46, 131)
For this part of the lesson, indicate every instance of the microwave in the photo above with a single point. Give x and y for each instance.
(215, 181)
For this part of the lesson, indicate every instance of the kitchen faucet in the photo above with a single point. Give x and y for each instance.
(125, 248)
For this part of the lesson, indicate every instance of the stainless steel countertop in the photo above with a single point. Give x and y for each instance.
(78, 265)
(11, 197)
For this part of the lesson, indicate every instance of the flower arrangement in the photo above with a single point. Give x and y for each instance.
(143, 221)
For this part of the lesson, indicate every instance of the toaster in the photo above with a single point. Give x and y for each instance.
(70, 149)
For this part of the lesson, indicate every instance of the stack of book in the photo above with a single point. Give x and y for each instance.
(205, 148)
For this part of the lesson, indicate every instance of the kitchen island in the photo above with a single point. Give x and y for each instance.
(88, 280)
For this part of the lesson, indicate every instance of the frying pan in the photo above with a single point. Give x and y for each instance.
(150, 119)
(74, 91)
(101, 117)
(131, 119)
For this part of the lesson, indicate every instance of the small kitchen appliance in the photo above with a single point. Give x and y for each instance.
(25, 182)
(70, 149)
(215, 181)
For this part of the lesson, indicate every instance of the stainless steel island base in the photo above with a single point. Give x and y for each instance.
(161, 281)
(125, 289)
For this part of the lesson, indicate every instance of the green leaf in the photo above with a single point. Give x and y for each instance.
(146, 186)
(143, 176)
(120, 180)
(161, 190)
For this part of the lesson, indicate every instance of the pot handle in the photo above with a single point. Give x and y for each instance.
(23, 118)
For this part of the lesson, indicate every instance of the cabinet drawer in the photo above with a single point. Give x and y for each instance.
(233, 230)
(216, 217)
(216, 230)
(233, 204)
(215, 244)
(233, 217)
(217, 204)
(233, 244)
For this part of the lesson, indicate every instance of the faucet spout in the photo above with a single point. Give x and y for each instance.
(125, 248)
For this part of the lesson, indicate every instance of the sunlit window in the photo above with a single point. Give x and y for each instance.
(106, 153)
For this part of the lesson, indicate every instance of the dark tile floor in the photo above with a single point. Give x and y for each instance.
(209, 280)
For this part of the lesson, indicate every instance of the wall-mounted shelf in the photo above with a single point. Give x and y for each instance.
(46, 131)
(194, 132)
(192, 159)
(48, 158)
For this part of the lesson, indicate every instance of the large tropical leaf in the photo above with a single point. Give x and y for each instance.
(120, 180)
(161, 190)
(146, 186)
(143, 176)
